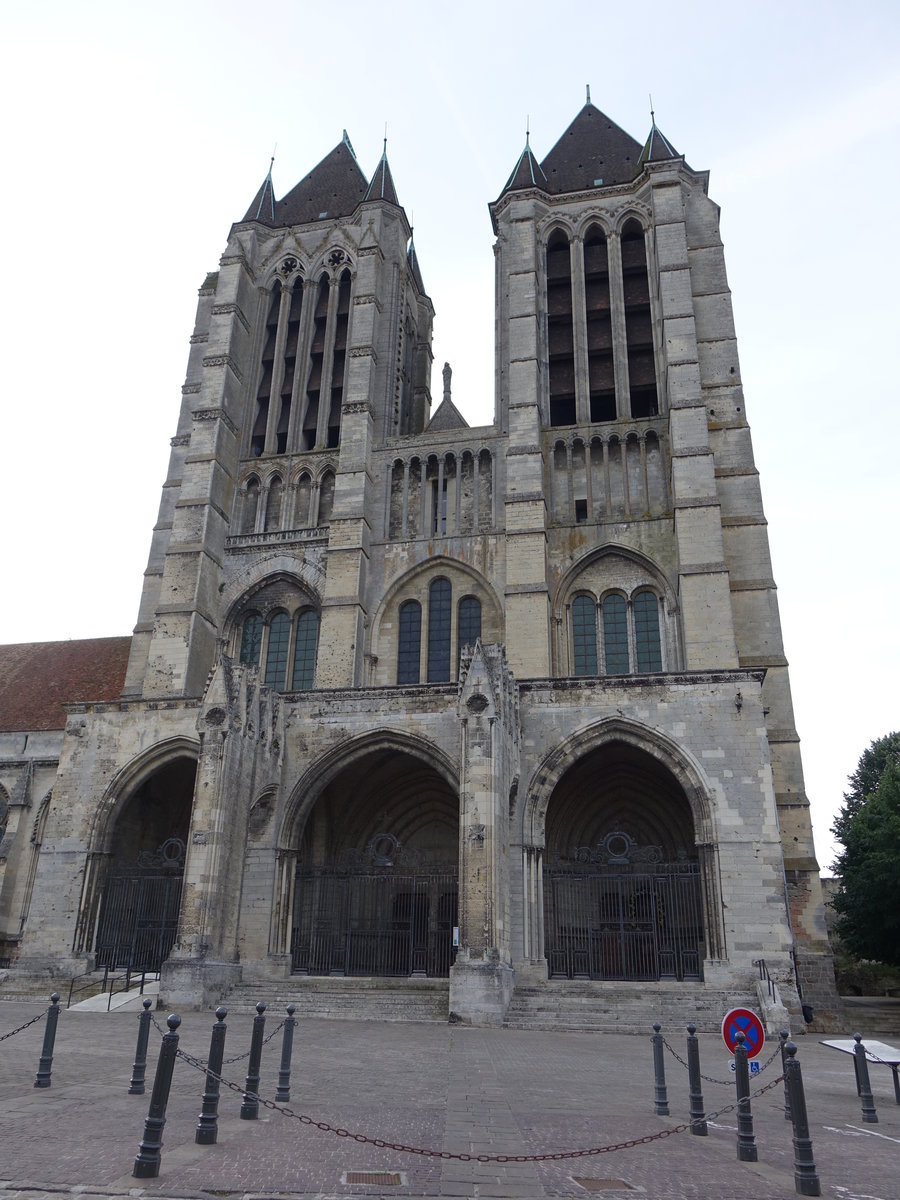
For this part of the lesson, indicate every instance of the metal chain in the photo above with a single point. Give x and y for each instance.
(709, 1078)
(225, 1061)
(13, 1032)
(424, 1152)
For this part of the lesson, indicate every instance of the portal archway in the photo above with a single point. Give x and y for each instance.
(137, 882)
(376, 885)
(623, 880)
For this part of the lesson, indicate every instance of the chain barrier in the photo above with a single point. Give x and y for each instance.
(722, 1082)
(13, 1032)
(225, 1061)
(425, 1152)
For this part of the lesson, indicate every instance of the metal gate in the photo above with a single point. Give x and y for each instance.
(627, 916)
(139, 912)
(374, 923)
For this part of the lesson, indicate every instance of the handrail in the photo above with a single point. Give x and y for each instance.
(89, 977)
(760, 964)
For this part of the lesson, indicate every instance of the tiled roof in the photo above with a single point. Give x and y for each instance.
(38, 678)
(657, 147)
(413, 260)
(334, 188)
(593, 149)
(447, 417)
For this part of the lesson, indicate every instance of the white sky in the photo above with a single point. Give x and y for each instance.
(136, 135)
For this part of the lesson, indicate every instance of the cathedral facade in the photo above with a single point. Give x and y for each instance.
(505, 706)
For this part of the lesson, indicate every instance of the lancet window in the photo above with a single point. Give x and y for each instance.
(623, 633)
(442, 633)
(279, 642)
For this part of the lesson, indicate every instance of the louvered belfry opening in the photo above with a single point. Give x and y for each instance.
(264, 390)
(602, 379)
(622, 892)
(341, 322)
(291, 343)
(377, 880)
(317, 359)
(560, 331)
(638, 323)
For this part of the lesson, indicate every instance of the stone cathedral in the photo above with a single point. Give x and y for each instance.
(500, 715)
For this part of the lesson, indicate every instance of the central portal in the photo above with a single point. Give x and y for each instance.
(377, 877)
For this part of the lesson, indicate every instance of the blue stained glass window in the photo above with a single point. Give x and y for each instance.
(646, 632)
(469, 627)
(276, 656)
(251, 639)
(409, 646)
(305, 650)
(584, 635)
(615, 636)
(439, 631)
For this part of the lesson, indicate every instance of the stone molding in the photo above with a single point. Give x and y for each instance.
(224, 360)
(223, 310)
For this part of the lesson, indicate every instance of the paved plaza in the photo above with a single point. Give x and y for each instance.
(448, 1088)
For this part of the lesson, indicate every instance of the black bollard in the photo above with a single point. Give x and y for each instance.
(784, 1035)
(697, 1111)
(250, 1106)
(146, 1165)
(806, 1181)
(283, 1091)
(660, 1098)
(208, 1121)
(42, 1078)
(139, 1070)
(869, 1115)
(746, 1142)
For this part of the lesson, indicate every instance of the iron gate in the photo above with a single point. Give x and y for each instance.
(374, 922)
(629, 916)
(139, 912)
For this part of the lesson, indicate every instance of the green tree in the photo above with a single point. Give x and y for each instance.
(868, 826)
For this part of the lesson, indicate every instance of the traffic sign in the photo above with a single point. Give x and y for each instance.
(742, 1020)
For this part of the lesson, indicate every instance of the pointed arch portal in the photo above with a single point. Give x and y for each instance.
(621, 878)
(377, 877)
(139, 879)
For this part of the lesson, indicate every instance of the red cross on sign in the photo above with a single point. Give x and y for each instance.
(742, 1020)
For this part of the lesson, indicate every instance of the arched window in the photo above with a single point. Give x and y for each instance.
(251, 639)
(304, 669)
(615, 636)
(638, 323)
(251, 505)
(409, 642)
(584, 635)
(276, 655)
(439, 631)
(648, 648)
(273, 504)
(468, 621)
(560, 331)
(326, 497)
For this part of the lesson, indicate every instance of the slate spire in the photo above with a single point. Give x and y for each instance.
(657, 146)
(263, 206)
(527, 172)
(382, 185)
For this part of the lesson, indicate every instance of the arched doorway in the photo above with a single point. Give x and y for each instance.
(377, 876)
(621, 878)
(138, 916)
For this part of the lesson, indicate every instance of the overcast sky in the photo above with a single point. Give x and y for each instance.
(136, 134)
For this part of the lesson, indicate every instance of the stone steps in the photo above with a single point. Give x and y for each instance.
(356, 999)
(613, 1008)
(870, 1015)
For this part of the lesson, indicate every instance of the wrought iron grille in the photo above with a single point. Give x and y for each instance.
(139, 911)
(374, 922)
(621, 913)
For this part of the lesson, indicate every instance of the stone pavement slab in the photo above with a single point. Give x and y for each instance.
(445, 1088)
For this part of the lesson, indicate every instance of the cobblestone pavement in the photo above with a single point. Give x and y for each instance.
(475, 1091)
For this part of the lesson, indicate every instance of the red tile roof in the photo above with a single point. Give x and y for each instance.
(38, 678)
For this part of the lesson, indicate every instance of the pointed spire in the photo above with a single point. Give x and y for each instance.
(413, 259)
(382, 185)
(657, 146)
(527, 172)
(263, 205)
